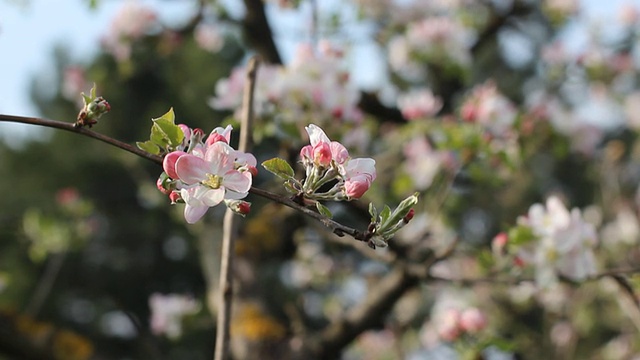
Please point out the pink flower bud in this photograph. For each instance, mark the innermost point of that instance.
(472, 320)
(322, 154)
(198, 132)
(214, 138)
(239, 207)
(169, 163)
(409, 216)
(253, 170)
(244, 207)
(160, 186)
(355, 187)
(175, 197)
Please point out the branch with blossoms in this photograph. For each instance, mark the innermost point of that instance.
(202, 171)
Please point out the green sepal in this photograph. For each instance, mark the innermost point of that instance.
(384, 214)
(292, 186)
(280, 168)
(373, 212)
(324, 210)
(148, 146)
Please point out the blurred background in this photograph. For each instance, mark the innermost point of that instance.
(484, 107)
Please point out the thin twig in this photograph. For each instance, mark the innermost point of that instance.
(230, 226)
(83, 131)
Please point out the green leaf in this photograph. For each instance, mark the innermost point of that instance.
(324, 210)
(148, 146)
(280, 168)
(158, 137)
(166, 125)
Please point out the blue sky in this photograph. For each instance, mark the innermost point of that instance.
(29, 29)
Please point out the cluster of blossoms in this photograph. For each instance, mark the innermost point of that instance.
(132, 22)
(489, 108)
(454, 317)
(419, 104)
(167, 312)
(555, 241)
(312, 84)
(454, 323)
(439, 39)
(202, 173)
(328, 162)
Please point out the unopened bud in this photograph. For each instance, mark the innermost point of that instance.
(409, 216)
(214, 138)
(94, 107)
(161, 184)
(175, 197)
(239, 207)
(253, 170)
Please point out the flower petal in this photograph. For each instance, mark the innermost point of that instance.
(237, 181)
(191, 169)
(316, 135)
(220, 156)
(212, 197)
(194, 213)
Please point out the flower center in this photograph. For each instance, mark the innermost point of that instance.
(212, 181)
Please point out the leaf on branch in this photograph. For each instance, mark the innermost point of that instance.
(165, 127)
(324, 210)
(148, 146)
(280, 168)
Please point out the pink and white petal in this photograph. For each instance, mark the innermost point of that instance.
(316, 135)
(361, 166)
(232, 195)
(220, 157)
(237, 181)
(246, 159)
(191, 169)
(194, 213)
(212, 197)
(339, 152)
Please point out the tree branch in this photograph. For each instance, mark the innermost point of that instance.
(83, 131)
(258, 32)
(335, 227)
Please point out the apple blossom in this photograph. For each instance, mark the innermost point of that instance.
(325, 160)
(419, 103)
(565, 243)
(210, 180)
(131, 23)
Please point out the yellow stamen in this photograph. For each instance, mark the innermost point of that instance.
(212, 181)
